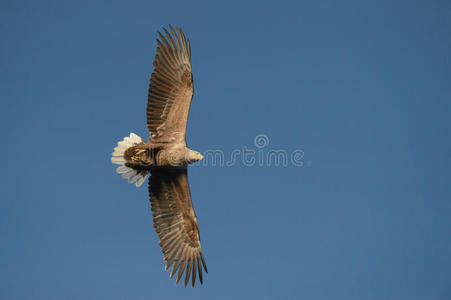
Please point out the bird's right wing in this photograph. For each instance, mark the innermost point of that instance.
(175, 222)
(170, 88)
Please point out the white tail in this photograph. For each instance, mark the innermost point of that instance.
(118, 158)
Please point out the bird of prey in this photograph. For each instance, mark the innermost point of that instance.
(166, 157)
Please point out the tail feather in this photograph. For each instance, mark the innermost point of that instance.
(133, 176)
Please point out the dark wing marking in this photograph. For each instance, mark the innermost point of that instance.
(170, 88)
(175, 223)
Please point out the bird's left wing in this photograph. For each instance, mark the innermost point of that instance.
(175, 223)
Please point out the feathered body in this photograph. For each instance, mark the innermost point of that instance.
(145, 156)
(166, 157)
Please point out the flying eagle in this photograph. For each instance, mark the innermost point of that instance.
(166, 157)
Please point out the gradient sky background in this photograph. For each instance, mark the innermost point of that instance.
(364, 89)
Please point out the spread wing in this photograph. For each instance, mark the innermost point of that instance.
(175, 223)
(170, 89)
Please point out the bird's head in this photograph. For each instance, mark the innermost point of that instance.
(194, 156)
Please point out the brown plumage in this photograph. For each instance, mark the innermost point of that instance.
(166, 157)
(176, 223)
(170, 89)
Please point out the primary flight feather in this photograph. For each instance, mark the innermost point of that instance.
(166, 157)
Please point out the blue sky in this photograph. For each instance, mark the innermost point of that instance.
(361, 87)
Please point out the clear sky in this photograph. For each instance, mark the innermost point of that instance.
(362, 88)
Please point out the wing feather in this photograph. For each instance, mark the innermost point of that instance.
(188, 268)
(200, 270)
(194, 263)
